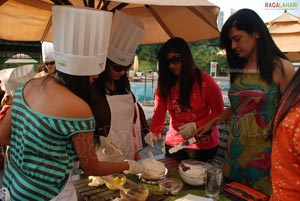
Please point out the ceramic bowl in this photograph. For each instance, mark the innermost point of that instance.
(193, 172)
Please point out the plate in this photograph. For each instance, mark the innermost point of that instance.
(153, 180)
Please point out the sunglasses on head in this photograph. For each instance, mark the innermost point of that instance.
(174, 60)
(119, 68)
(50, 63)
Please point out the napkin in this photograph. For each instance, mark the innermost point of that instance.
(190, 197)
(95, 181)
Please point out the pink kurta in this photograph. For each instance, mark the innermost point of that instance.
(204, 107)
(285, 172)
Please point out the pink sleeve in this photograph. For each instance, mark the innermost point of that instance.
(213, 97)
(4, 111)
(159, 115)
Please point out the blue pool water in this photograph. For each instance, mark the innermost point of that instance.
(143, 91)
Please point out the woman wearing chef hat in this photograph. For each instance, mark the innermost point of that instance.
(113, 103)
(49, 62)
(48, 136)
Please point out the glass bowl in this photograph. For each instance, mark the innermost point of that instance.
(171, 186)
(119, 179)
(136, 193)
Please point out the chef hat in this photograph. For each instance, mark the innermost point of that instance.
(126, 34)
(48, 52)
(11, 78)
(81, 37)
(4, 75)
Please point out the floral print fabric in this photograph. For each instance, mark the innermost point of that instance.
(248, 152)
(286, 158)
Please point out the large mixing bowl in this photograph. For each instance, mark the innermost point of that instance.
(193, 172)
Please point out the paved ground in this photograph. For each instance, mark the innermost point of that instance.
(148, 111)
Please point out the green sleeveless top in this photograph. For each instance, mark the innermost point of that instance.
(41, 151)
(248, 153)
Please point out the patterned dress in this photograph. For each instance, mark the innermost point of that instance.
(41, 151)
(247, 157)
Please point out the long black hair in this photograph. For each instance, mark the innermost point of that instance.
(167, 79)
(290, 98)
(79, 85)
(268, 53)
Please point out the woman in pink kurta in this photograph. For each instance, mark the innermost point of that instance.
(191, 97)
(285, 158)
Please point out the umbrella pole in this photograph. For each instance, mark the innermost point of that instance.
(152, 84)
(145, 88)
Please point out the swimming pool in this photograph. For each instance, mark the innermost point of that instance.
(143, 91)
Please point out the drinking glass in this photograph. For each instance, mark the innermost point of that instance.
(213, 179)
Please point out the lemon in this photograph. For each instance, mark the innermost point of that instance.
(119, 179)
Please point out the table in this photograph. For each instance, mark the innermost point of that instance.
(102, 193)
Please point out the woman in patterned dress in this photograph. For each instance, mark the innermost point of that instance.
(259, 74)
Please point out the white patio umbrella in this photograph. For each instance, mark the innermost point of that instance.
(193, 20)
(285, 31)
(21, 58)
(136, 64)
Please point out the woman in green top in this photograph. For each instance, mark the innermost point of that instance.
(51, 125)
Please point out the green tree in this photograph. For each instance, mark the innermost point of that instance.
(203, 52)
(148, 57)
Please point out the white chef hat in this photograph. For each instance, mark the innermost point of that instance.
(126, 34)
(48, 52)
(11, 78)
(81, 37)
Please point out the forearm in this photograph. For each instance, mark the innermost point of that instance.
(86, 153)
(159, 115)
(101, 168)
(157, 123)
(213, 116)
(223, 117)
